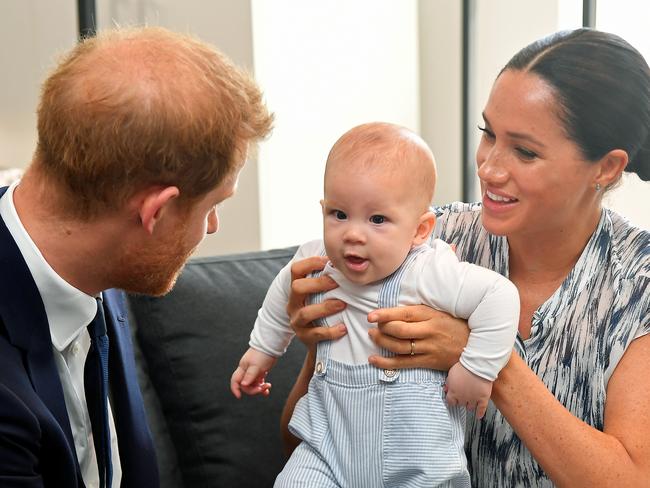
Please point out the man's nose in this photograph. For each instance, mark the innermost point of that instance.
(213, 222)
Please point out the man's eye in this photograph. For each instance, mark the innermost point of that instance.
(377, 219)
(340, 215)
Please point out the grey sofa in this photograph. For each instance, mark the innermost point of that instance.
(187, 345)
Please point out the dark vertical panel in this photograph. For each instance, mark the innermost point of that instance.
(469, 181)
(589, 13)
(87, 17)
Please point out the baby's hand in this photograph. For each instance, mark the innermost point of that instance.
(250, 375)
(468, 390)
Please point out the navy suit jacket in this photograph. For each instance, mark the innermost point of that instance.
(36, 444)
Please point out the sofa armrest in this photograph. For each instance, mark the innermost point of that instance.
(191, 340)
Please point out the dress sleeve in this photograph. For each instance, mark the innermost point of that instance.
(272, 332)
(488, 301)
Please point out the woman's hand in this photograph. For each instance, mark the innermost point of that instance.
(302, 316)
(420, 336)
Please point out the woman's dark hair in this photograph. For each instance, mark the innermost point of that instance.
(603, 86)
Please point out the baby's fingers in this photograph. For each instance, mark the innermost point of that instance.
(451, 397)
(235, 381)
(481, 408)
(262, 388)
(253, 373)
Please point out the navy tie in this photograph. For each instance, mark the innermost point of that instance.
(96, 386)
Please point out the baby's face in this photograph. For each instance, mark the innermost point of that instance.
(370, 220)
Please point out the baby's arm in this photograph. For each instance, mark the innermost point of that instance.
(271, 333)
(250, 375)
(490, 302)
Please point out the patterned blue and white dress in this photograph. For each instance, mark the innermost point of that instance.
(577, 339)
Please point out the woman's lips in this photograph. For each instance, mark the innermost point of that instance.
(498, 203)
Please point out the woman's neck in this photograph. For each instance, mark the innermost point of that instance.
(550, 255)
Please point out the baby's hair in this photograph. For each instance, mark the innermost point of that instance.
(389, 147)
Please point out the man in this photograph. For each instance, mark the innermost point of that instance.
(141, 133)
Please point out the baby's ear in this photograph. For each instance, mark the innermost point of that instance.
(425, 226)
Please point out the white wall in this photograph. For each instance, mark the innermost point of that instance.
(326, 67)
(441, 91)
(29, 47)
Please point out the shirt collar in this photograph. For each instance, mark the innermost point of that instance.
(68, 309)
(594, 257)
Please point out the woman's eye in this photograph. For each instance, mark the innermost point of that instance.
(487, 133)
(525, 153)
(340, 215)
(377, 219)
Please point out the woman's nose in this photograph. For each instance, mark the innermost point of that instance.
(491, 166)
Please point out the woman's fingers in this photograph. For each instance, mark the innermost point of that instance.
(303, 267)
(313, 335)
(419, 336)
(401, 361)
(399, 345)
(307, 286)
(414, 313)
(304, 316)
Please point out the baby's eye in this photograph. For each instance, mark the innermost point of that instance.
(340, 215)
(377, 219)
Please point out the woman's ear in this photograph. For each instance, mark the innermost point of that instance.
(425, 226)
(611, 165)
(153, 203)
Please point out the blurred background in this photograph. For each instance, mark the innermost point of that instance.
(324, 67)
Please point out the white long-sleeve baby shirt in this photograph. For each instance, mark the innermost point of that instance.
(435, 277)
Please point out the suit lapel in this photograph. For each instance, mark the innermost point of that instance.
(137, 453)
(23, 314)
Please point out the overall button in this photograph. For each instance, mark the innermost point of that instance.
(319, 367)
(390, 372)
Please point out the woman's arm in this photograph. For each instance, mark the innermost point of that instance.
(301, 318)
(571, 452)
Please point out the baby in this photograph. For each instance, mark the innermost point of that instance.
(360, 424)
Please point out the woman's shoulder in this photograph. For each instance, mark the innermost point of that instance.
(630, 247)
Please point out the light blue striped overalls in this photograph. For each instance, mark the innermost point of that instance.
(366, 427)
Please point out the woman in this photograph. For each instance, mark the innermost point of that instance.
(566, 116)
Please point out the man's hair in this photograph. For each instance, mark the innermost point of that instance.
(388, 147)
(132, 108)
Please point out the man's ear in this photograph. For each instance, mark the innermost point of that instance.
(425, 226)
(611, 166)
(153, 203)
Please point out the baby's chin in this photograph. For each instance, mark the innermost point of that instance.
(363, 279)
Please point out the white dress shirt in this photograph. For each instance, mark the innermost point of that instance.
(69, 311)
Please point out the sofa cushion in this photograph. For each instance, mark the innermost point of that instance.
(192, 340)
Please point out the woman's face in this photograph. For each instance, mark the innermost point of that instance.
(534, 179)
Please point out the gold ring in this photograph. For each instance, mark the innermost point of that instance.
(412, 347)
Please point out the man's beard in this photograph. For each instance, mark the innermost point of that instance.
(153, 271)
